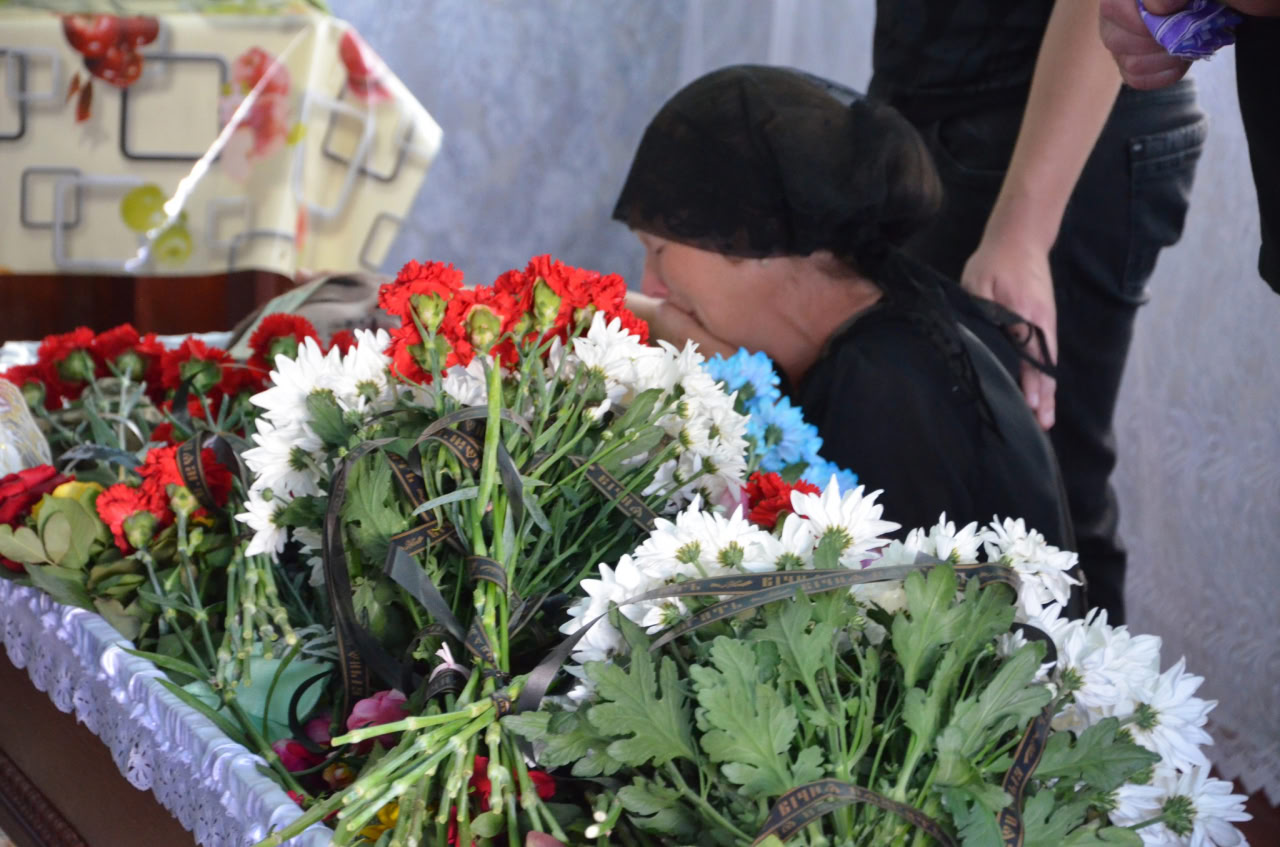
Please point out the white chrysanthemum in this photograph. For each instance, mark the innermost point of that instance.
(1043, 568)
(798, 539)
(853, 518)
(958, 547)
(616, 355)
(268, 535)
(467, 385)
(1194, 809)
(363, 382)
(284, 460)
(1167, 718)
(293, 381)
(1099, 665)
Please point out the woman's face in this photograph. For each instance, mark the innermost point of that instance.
(731, 298)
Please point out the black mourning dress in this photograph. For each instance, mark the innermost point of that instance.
(892, 409)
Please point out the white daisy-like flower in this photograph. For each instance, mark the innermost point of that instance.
(1098, 665)
(853, 518)
(1042, 568)
(293, 381)
(797, 539)
(958, 547)
(363, 382)
(467, 385)
(613, 352)
(1167, 718)
(284, 459)
(1193, 809)
(268, 535)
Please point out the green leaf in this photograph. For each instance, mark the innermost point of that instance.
(803, 650)
(568, 738)
(68, 530)
(748, 728)
(306, 510)
(930, 621)
(175, 665)
(827, 554)
(1046, 822)
(1095, 835)
(1097, 757)
(370, 511)
(486, 824)
(654, 714)
(637, 444)
(125, 622)
(656, 808)
(639, 412)
(325, 419)
(1009, 694)
(62, 584)
(975, 825)
(21, 545)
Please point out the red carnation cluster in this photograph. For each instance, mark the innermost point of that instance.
(769, 497)
(444, 324)
(22, 490)
(152, 494)
(479, 787)
(279, 334)
(66, 363)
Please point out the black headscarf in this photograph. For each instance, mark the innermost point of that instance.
(755, 161)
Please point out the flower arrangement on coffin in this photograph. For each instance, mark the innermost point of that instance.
(878, 713)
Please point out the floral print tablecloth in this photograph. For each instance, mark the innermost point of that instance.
(200, 143)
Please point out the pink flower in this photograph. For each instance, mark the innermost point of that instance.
(317, 729)
(383, 707)
(294, 756)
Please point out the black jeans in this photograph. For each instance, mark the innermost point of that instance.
(1130, 202)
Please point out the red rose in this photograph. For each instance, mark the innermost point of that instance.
(22, 490)
(769, 495)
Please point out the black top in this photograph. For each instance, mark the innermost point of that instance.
(946, 49)
(891, 408)
(1257, 45)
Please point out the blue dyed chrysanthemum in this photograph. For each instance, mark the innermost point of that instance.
(781, 435)
(820, 471)
(750, 374)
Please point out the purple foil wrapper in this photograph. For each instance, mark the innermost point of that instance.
(1197, 32)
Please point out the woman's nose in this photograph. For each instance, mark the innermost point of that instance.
(651, 284)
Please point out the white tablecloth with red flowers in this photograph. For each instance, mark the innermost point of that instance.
(180, 142)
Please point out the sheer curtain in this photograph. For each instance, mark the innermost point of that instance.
(542, 105)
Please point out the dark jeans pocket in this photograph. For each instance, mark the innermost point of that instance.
(976, 147)
(1162, 167)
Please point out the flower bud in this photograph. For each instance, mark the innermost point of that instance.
(181, 500)
(139, 529)
(546, 305)
(483, 328)
(202, 374)
(33, 392)
(76, 367)
(282, 345)
(131, 364)
(430, 310)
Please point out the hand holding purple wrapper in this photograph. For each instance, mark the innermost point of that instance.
(1197, 32)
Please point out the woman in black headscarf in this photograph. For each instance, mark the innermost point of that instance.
(771, 204)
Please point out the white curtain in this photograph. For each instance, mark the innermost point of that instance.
(542, 105)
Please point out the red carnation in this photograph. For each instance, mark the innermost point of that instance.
(110, 344)
(68, 362)
(409, 355)
(342, 340)
(480, 786)
(121, 502)
(22, 490)
(633, 324)
(160, 469)
(31, 379)
(414, 287)
(769, 495)
(482, 316)
(210, 369)
(278, 334)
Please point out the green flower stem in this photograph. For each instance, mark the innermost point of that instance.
(470, 712)
(413, 814)
(706, 808)
(260, 744)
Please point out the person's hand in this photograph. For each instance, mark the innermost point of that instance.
(1016, 275)
(1142, 61)
(676, 326)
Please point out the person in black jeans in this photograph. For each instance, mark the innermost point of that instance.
(1146, 64)
(1061, 188)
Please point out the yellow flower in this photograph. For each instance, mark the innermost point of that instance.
(73, 490)
(387, 816)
